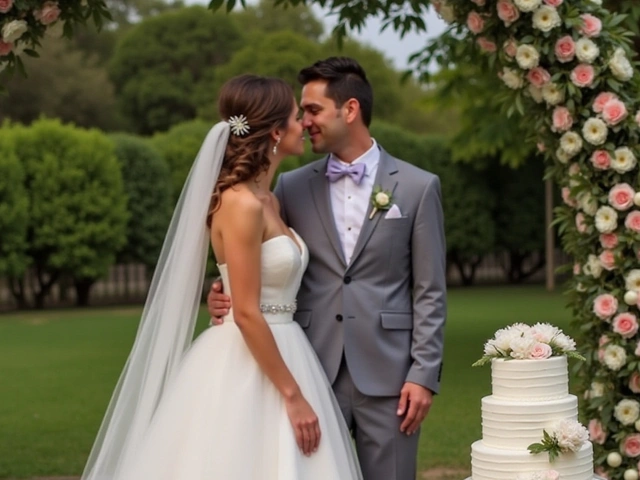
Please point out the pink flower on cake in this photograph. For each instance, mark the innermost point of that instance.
(5, 5)
(634, 382)
(583, 75)
(591, 26)
(608, 240)
(631, 445)
(614, 111)
(601, 159)
(539, 77)
(596, 432)
(540, 351)
(507, 12)
(632, 222)
(475, 22)
(621, 196)
(602, 99)
(607, 259)
(605, 306)
(625, 324)
(486, 45)
(565, 49)
(562, 119)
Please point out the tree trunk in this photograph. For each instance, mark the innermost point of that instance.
(83, 291)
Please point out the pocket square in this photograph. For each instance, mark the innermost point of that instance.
(393, 212)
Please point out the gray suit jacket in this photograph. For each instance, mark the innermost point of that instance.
(385, 310)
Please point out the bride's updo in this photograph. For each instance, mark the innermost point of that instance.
(266, 104)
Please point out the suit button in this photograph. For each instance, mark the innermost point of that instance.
(339, 317)
(347, 280)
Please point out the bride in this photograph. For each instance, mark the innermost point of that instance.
(248, 399)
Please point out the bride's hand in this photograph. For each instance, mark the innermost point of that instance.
(305, 424)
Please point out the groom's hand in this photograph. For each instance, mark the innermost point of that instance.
(218, 303)
(415, 401)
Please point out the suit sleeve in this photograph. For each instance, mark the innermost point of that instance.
(279, 193)
(429, 289)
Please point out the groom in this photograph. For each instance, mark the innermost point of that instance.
(373, 298)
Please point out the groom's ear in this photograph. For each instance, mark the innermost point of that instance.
(351, 109)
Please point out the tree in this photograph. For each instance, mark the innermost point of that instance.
(77, 206)
(147, 185)
(160, 66)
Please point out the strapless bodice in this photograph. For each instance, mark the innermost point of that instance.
(283, 263)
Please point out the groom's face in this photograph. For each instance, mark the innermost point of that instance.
(322, 119)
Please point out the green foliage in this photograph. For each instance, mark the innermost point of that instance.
(164, 66)
(14, 211)
(77, 215)
(147, 185)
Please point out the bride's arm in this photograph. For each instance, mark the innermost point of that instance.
(241, 223)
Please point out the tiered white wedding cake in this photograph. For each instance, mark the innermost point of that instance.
(529, 423)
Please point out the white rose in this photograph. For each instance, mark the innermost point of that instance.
(13, 30)
(620, 65)
(586, 50)
(382, 199)
(606, 219)
(527, 57)
(512, 78)
(615, 357)
(623, 160)
(593, 266)
(597, 389)
(527, 5)
(632, 280)
(562, 156)
(595, 131)
(571, 143)
(587, 203)
(536, 93)
(631, 297)
(627, 411)
(546, 18)
(552, 94)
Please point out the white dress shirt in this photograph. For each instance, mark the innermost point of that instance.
(351, 203)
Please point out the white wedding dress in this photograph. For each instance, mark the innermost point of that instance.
(220, 417)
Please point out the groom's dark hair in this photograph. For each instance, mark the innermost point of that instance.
(345, 79)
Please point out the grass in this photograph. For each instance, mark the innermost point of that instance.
(58, 368)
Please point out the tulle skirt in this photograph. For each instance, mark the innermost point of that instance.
(222, 419)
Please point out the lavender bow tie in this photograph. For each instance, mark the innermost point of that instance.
(336, 170)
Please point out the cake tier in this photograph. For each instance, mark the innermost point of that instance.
(527, 380)
(516, 425)
(489, 463)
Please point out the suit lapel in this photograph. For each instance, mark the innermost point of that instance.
(384, 177)
(321, 197)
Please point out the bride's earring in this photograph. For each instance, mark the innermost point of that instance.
(275, 147)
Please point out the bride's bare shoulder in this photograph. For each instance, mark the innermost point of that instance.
(239, 202)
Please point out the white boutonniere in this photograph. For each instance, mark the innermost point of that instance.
(380, 199)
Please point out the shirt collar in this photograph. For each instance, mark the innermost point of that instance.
(370, 158)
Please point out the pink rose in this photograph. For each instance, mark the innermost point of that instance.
(541, 146)
(603, 340)
(511, 48)
(48, 14)
(596, 433)
(565, 49)
(538, 77)
(621, 196)
(577, 269)
(607, 259)
(634, 382)
(625, 324)
(632, 222)
(540, 351)
(580, 223)
(583, 75)
(553, 3)
(601, 473)
(567, 198)
(605, 306)
(5, 48)
(591, 26)
(508, 12)
(614, 111)
(562, 120)
(602, 99)
(486, 45)
(631, 445)
(475, 22)
(608, 240)
(601, 159)
(5, 5)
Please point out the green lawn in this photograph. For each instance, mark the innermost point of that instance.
(57, 370)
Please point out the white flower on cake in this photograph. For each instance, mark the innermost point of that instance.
(523, 342)
(565, 436)
(627, 411)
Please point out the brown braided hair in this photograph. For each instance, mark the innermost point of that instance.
(266, 103)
